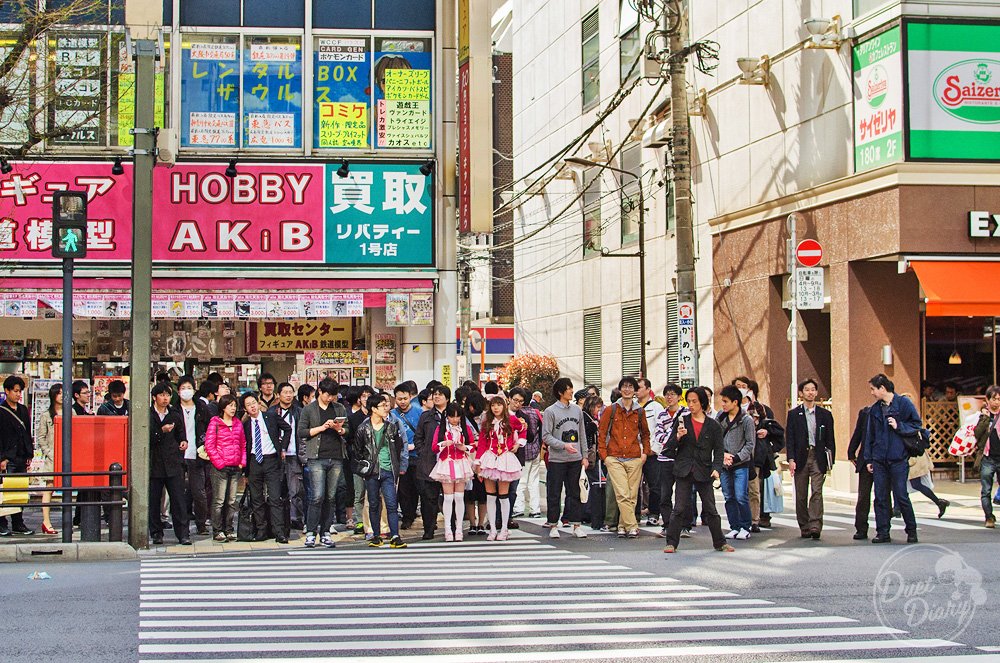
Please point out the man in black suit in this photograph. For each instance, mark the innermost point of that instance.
(865, 479)
(696, 445)
(423, 439)
(267, 436)
(810, 447)
(167, 443)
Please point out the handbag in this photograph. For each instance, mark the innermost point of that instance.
(244, 518)
(773, 491)
(584, 488)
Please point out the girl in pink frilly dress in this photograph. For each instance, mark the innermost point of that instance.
(453, 443)
(499, 437)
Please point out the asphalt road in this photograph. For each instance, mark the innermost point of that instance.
(600, 598)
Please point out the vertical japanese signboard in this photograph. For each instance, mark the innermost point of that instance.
(379, 215)
(953, 83)
(687, 354)
(878, 101)
(272, 92)
(78, 77)
(341, 93)
(210, 95)
(403, 94)
(13, 127)
(475, 117)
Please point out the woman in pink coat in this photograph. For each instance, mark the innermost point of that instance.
(499, 437)
(227, 449)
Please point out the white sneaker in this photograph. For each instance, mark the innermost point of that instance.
(731, 534)
(743, 535)
(554, 533)
(579, 533)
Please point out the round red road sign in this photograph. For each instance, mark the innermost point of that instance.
(808, 253)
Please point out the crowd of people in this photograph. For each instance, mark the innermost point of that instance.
(353, 457)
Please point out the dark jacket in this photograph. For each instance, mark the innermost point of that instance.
(882, 442)
(296, 415)
(312, 416)
(423, 440)
(202, 415)
(855, 450)
(797, 436)
(983, 431)
(365, 448)
(698, 455)
(739, 438)
(277, 429)
(165, 456)
(15, 436)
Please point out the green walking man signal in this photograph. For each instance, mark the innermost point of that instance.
(69, 224)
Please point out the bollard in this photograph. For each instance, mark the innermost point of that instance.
(115, 519)
(90, 516)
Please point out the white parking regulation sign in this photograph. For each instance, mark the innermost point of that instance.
(809, 288)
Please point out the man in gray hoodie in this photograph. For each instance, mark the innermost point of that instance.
(739, 437)
(564, 434)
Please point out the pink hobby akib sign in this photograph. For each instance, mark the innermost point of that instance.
(267, 213)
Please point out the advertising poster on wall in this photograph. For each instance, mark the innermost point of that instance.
(422, 309)
(385, 348)
(878, 101)
(397, 309)
(953, 82)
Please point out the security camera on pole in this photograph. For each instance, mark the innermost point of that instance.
(69, 241)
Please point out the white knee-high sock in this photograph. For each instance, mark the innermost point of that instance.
(449, 511)
(491, 511)
(459, 507)
(504, 511)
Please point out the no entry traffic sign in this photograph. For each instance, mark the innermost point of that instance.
(809, 253)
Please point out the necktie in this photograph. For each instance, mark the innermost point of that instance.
(258, 452)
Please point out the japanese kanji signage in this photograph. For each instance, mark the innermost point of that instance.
(878, 101)
(402, 100)
(380, 215)
(300, 335)
(342, 93)
(210, 92)
(953, 90)
(79, 63)
(272, 93)
(809, 288)
(687, 352)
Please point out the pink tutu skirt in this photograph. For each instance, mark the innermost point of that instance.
(504, 467)
(451, 470)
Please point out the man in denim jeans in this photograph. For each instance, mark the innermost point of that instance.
(321, 429)
(988, 451)
(739, 436)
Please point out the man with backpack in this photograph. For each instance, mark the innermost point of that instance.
(885, 454)
(623, 445)
(407, 418)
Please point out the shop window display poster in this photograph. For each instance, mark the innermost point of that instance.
(422, 309)
(397, 309)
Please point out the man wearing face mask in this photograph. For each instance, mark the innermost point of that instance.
(196, 416)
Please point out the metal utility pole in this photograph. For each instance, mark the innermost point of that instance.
(67, 401)
(465, 309)
(793, 327)
(680, 164)
(145, 54)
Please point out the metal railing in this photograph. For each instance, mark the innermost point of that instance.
(89, 499)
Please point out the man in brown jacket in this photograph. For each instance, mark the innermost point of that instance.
(623, 444)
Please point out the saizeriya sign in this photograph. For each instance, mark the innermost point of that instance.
(968, 91)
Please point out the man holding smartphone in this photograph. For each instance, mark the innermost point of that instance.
(321, 430)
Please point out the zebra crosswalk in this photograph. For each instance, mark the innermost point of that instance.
(479, 602)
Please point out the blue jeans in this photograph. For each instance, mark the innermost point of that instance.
(989, 470)
(735, 487)
(894, 475)
(385, 484)
(324, 473)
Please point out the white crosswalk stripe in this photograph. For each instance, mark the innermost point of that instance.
(470, 603)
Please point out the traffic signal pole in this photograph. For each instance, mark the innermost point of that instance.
(142, 292)
(67, 393)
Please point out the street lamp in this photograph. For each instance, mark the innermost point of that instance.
(641, 255)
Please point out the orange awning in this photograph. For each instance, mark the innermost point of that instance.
(960, 288)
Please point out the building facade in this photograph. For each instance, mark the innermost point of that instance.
(303, 197)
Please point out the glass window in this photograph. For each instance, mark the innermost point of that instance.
(342, 14)
(78, 68)
(591, 61)
(210, 90)
(272, 92)
(123, 90)
(220, 13)
(591, 212)
(342, 92)
(402, 93)
(632, 162)
(271, 14)
(404, 14)
(19, 84)
(629, 50)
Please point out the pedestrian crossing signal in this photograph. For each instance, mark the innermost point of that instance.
(69, 224)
